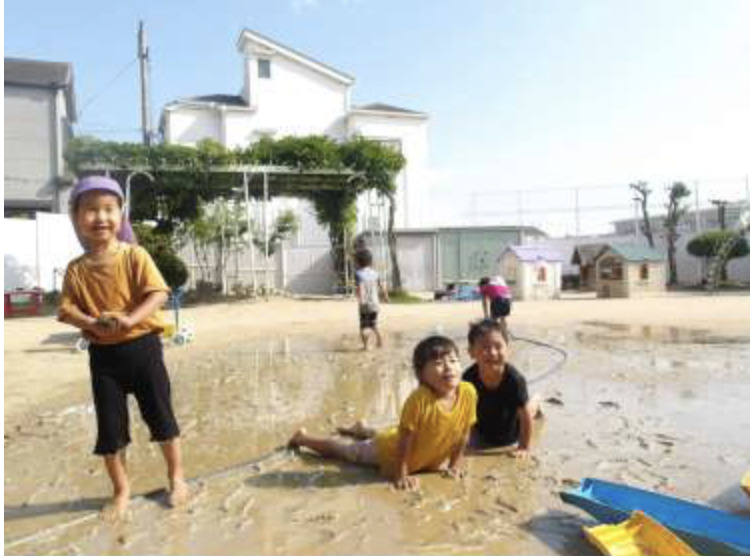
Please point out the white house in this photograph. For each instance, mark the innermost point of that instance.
(531, 271)
(285, 92)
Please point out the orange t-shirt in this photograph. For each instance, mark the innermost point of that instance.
(118, 284)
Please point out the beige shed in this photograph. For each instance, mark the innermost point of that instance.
(630, 271)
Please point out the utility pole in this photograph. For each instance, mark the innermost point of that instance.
(721, 207)
(144, 74)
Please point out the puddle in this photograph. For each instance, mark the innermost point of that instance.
(634, 406)
(660, 334)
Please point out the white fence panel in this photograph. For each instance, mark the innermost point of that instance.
(37, 252)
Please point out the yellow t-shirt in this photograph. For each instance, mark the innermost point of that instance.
(437, 431)
(116, 285)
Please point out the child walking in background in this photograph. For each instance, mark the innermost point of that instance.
(434, 427)
(370, 291)
(505, 413)
(112, 293)
(496, 297)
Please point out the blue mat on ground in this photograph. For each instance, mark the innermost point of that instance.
(709, 531)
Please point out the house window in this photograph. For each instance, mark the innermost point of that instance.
(263, 69)
(644, 271)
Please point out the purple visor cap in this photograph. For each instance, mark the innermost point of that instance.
(96, 183)
(102, 183)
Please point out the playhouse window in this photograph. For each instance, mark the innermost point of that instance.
(644, 271)
(610, 269)
(541, 274)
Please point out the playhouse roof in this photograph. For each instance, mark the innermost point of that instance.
(587, 253)
(534, 253)
(635, 253)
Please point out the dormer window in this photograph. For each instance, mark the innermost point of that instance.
(263, 68)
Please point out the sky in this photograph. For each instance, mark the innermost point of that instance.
(532, 96)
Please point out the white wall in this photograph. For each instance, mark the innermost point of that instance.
(187, 126)
(39, 251)
(295, 100)
(412, 183)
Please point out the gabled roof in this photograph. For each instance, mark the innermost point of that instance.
(247, 35)
(42, 74)
(587, 253)
(634, 253)
(217, 100)
(534, 253)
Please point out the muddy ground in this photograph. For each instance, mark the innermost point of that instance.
(653, 393)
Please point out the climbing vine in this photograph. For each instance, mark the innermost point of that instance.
(186, 177)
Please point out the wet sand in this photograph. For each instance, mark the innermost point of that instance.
(641, 399)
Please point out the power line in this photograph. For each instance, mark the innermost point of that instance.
(97, 95)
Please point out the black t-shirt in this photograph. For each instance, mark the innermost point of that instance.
(498, 423)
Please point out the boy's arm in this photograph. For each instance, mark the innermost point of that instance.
(71, 314)
(151, 303)
(402, 479)
(457, 456)
(383, 290)
(526, 433)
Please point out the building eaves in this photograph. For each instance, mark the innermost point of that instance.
(43, 74)
(210, 101)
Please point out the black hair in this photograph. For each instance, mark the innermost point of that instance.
(430, 349)
(483, 327)
(363, 258)
(484, 281)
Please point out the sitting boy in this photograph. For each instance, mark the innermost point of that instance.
(504, 411)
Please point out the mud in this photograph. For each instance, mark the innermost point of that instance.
(660, 408)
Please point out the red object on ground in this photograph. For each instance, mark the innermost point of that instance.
(22, 302)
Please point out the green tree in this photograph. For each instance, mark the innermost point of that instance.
(708, 244)
(285, 226)
(161, 247)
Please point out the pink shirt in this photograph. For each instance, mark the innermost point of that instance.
(492, 291)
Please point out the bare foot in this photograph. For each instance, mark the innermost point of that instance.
(117, 509)
(296, 440)
(358, 430)
(178, 494)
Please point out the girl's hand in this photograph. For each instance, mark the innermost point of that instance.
(407, 482)
(454, 472)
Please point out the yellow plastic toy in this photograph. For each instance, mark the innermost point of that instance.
(745, 483)
(638, 536)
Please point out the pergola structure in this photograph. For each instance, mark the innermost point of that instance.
(263, 181)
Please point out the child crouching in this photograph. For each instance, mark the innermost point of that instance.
(434, 427)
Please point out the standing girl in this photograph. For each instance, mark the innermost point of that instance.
(497, 299)
(112, 293)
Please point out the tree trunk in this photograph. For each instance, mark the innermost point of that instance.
(671, 251)
(396, 276)
(647, 226)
